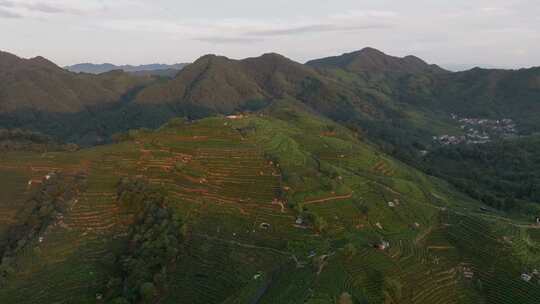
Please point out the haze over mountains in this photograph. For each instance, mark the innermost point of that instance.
(157, 69)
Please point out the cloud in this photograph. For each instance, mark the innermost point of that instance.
(8, 14)
(248, 30)
(29, 8)
(230, 36)
(355, 14)
(356, 20)
(48, 8)
(228, 40)
(316, 28)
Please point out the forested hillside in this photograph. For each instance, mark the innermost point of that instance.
(502, 174)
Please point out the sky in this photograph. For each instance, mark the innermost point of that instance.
(456, 34)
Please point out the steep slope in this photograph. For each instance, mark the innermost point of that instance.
(503, 173)
(225, 85)
(212, 82)
(374, 61)
(481, 93)
(39, 85)
(166, 73)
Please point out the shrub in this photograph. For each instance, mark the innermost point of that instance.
(120, 300)
(147, 291)
(350, 250)
(154, 240)
(320, 224)
(345, 298)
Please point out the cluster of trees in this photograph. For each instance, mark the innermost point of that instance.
(498, 173)
(98, 124)
(25, 140)
(48, 202)
(318, 222)
(14, 134)
(153, 246)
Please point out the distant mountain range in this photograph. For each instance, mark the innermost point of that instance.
(168, 70)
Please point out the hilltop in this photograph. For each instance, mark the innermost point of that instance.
(374, 61)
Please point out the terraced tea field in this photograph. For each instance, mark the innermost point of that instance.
(271, 209)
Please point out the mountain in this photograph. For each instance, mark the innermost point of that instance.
(165, 73)
(224, 85)
(91, 68)
(372, 60)
(488, 93)
(39, 85)
(399, 103)
(301, 196)
(147, 69)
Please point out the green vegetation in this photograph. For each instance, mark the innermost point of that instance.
(282, 205)
(503, 174)
(153, 245)
(23, 140)
(49, 202)
(39, 85)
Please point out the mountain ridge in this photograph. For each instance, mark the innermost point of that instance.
(92, 68)
(211, 79)
(372, 60)
(218, 85)
(39, 84)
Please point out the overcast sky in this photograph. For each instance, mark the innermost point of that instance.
(501, 33)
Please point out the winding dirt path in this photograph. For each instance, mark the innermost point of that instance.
(333, 198)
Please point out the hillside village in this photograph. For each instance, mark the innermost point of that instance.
(479, 131)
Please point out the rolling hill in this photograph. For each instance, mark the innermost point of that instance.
(282, 206)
